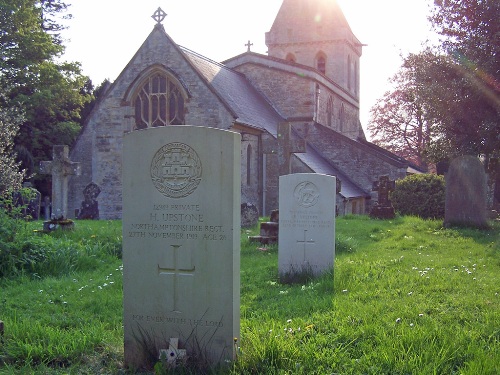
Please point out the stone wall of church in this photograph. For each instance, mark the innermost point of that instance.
(291, 94)
(360, 163)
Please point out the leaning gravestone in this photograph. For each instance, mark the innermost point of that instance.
(466, 190)
(181, 244)
(306, 243)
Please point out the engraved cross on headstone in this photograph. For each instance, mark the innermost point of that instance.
(384, 186)
(305, 242)
(61, 168)
(179, 269)
(248, 45)
(284, 147)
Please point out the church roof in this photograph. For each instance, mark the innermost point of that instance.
(233, 88)
(310, 21)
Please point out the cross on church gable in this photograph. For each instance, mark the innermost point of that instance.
(159, 15)
(180, 267)
(285, 146)
(248, 45)
(383, 186)
(61, 167)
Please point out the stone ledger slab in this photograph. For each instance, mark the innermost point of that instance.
(306, 224)
(181, 243)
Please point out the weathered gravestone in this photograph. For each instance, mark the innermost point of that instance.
(181, 243)
(306, 243)
(466, 190)
(90, 207)
(249, 215)
(29, 201)
(383, 209)
(61, 168)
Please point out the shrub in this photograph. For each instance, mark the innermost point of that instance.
(420, 195)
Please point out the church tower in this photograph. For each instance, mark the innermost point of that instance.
(316, 33)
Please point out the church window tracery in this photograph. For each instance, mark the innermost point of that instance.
(159, 102)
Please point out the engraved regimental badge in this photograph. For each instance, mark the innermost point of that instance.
(176, 170)
(306, 194)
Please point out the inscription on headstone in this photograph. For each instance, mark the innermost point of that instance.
(181, 243)
(306, 241)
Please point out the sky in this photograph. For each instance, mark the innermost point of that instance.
(103, 35)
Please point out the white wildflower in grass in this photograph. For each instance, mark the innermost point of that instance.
(411, 324)
(289, 321)
(410, 293)
(344, 291)
(283, 291)
(398, 320)
(420, 314)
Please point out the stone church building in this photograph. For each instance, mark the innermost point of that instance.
(307, 86)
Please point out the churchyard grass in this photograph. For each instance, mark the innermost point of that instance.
(406, 297)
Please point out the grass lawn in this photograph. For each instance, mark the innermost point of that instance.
(406, 297)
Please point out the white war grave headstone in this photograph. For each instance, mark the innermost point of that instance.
(306, 243)
(181, 244)
(61, 167)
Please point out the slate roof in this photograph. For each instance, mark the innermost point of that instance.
(233, 88)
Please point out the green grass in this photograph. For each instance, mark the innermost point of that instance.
(406, 297)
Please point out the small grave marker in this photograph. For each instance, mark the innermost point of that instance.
(306, 242)
(466, 193)
(383, 209)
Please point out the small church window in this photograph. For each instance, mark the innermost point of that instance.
(329, 112)
(249, 164)
(341, 118)
(321, 64)
(349, 72)
(158, 103)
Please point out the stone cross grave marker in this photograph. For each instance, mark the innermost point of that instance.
(383, 209)
(285, 146)
(61, 168)
(306, 242)
(466, 193)
(181, 243)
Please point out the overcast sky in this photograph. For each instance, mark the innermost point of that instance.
(104, 34)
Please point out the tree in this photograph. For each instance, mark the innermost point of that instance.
(445, 100)
(402, 120)
(50, 91)
(469, 109)
(10, 119)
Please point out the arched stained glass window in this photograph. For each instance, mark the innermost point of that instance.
(158, 103)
